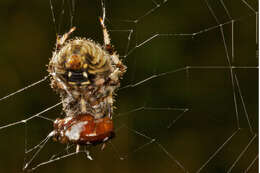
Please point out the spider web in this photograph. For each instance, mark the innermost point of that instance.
(188, 102)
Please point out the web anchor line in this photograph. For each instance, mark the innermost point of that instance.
(31, 117)
(25, 88)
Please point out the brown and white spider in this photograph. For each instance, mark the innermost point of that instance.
(85, 74)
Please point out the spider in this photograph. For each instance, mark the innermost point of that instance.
(86, 75)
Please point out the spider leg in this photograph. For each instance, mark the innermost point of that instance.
(77, 148)
(105, 33)
(109, 47)
(107, 43)
(61, 39)
(119, 67)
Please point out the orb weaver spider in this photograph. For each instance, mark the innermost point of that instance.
(86, 75)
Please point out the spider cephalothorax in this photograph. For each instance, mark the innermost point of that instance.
(83, 62)
(85, 75)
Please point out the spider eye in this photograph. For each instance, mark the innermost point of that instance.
(76, 77)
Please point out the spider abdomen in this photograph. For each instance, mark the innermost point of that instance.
(83, 129)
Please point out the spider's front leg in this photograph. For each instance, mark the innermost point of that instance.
(109, 48)
(120, 68)
(61, 39)
(105, 33)
(57, 82)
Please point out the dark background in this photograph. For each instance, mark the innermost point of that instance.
(202, 85)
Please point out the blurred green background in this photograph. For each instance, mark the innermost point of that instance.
(193, 70)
